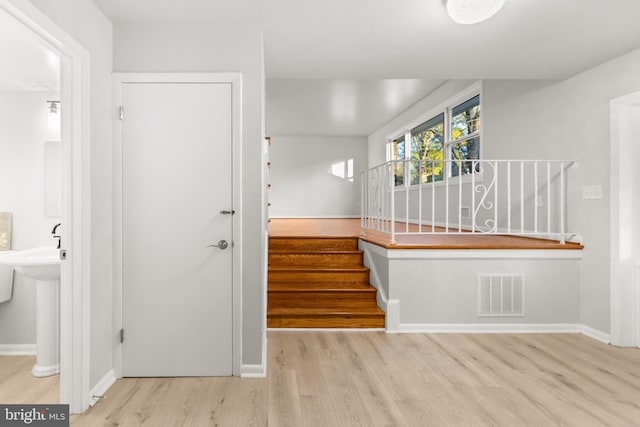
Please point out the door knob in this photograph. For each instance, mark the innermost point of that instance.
(222, 244)
(228, 212)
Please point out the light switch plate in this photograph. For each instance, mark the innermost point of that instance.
(592, 192)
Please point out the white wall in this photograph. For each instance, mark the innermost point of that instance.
(310, 176)
(221, 47)
(437, 288)
(568, 120)
(23, 131)
(84, 22)
(445, 291)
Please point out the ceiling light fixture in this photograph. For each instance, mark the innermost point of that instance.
(473, 11)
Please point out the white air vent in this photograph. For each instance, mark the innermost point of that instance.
(500, 295)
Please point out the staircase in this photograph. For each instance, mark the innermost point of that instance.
(320, 282)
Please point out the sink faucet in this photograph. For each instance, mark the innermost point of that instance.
(55, 236)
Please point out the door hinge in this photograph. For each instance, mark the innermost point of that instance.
(121, 336)
(121, 112)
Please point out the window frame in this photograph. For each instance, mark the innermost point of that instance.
(393, 143)
(449, 141)
(447, 108)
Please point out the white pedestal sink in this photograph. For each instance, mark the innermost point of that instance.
(42, 265)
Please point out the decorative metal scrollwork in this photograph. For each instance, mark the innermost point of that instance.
(486, 205)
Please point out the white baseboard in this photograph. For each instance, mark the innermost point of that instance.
(253, 371)
(17, 349)
(488, 328)
(259, 370)
(463, 328)
(392, 319)
(595, 334)
(499, 328)
(101, 387)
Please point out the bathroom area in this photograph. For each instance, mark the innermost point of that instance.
(30, 216)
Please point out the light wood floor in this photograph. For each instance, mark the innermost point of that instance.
(18, 386)
(373, 378)
(350, 227)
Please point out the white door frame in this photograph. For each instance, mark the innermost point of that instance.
(625, 223)
(76, 196)
(235, 79)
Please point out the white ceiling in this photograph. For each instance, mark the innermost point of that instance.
(358, 47)
(527, 39)
(25, 64)
(537, 39)
(339, 107)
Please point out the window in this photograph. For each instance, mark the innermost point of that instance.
(398, 153)
(452, 134)
(427, 151)
(464, 143)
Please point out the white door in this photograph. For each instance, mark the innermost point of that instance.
(177, 291)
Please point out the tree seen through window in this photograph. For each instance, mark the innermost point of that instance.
(465, 142)
(398, 153)
(445, 145)
(427, 151)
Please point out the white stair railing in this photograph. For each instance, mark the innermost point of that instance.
(509, 197)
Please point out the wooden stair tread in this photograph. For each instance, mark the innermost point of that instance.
(315, 311)
(313, 244)
(320, 322)
(288, 287)
(342, 322)
(320, 285)
(315, 252)
(318, 269)
(300, 258)
(320, 278)
(313, 259)
(324, 237)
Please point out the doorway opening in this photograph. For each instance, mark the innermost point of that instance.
(625, 227)
(75, 197)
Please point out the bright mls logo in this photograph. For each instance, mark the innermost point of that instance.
(34, 415)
